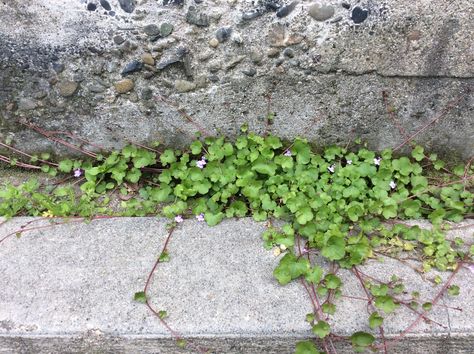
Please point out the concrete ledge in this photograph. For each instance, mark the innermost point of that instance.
(69, 289)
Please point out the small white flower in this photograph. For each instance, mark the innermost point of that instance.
(287, 153)
(77, 172)
(200, 217)
(201, 163)
(178, 218)
(393, 185)
(349, 162)
(283, 247)
(377, 161)
(331, 168)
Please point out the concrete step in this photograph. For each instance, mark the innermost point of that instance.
(69, 289)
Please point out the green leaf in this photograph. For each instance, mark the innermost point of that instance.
(302, 151)
(304, 215)
(334, 248)
(164, 257)
(453, 290)
(162, 314)
(144, 158)
(133, 175)
(290, 267)
(265, 167)
(379, 290)
(321, 329)
(306, 347)
(386, 303)
(418, 153)
(361, 340)
(45, 155)
(403, 165)
(427, 306)
(238, 209)
(329, 308)
(332, 281)
(438, 165)
(375, 320)
(140, 297)
(65, 166)
(167, 157)
(213, 219)
(181, 343)
(314, 275)
(196, 147)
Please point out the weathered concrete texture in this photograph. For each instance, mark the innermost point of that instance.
(70, 288)
(228, 62)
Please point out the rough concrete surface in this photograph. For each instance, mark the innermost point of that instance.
(226, 63)
(69, 289)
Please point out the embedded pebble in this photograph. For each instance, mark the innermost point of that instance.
(148, 59)
(127, 5)
(124, 86)
(132, 67)
(166, 29)
(289, 53)
(249, 72)
(91, 6)
(59, 68)
(171, 57)
(256, 57)
(118, 39)
(151, 30)
(321, 12)
(213, 42)
(105, 4)
(359, 15)
(67, 88)
(286, 10)
(96, 88)
(223, 34)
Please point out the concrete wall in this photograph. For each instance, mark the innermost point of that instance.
(321, 69)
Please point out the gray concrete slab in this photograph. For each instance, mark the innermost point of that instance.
(69, 289)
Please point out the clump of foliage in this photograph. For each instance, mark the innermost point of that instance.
(336, 203)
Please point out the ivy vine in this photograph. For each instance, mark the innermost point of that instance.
(337, 203)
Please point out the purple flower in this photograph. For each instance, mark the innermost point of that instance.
(393, 185)
(77, 172)
(287, 153)
(377, 161)
(201, 163)
(200, 217)
(331, 168)
(178, 218)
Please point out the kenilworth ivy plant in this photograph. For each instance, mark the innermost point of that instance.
(335, 203)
